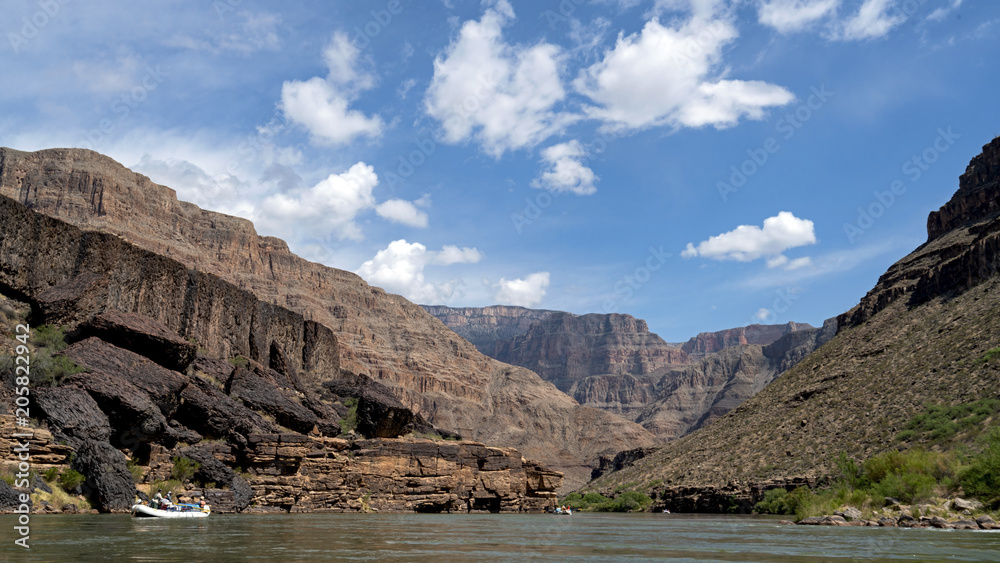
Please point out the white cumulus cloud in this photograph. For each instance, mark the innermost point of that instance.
(498, 94)
(750, 242)
(874, 19)
(328, 207)
(402, 212)
(673, 75)
(399, 268)
(794, 15)
(527, 292)
(565, 171)
(322, 105)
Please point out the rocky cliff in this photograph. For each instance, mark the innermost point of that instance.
(564, 348)
(920, 336)
(485, 326)
(427, 367)
(613, 362)
(123, 421)
(711, 342)
(689, 397)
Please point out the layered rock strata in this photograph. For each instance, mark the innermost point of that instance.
(270, 295)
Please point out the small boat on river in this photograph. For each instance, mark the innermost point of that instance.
(140, 510)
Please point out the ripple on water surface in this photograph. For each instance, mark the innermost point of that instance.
(482, 537)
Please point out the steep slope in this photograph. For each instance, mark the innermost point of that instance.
(428, 367)
(921, 335)
(484, 326)
(711, 342)
(689, 397)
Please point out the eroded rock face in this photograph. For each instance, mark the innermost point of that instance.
(977, 197)
(332, 475)
(962, 248)
(485, 326)
(564, 348)
(142, 335)
(711, 342)
(165, 259)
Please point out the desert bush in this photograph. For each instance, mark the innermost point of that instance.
(184, 469)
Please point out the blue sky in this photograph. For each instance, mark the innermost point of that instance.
(701, 164)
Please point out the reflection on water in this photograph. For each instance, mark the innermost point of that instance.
(444, 538)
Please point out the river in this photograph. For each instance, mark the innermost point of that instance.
(444, 538)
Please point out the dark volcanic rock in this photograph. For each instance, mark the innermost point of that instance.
(142, 335)
(210, 412)
(211, 278)
(380, 414)
(73, 301)
(162, 385)
(9, 497)
(260, 392)
(134, 418)
(72, 413)
(211, 470)
(109, 482)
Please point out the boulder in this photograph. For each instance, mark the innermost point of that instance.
(965, 525)
(72, 413)
(9, 497)
(811, 521)
(258, 391)
(73, 301)
(142, 335)
(833, 521)
(959, 504)
(211, 413)
(134, 418)
(161, 384)
(887, 522)
(938, 522)
(216, 368)
(850, 513)
(986, 523)
(109, 483)
(211, 470)
(380, 414)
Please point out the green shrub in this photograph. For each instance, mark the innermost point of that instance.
(982, 476)
(239, 361)
(135, 469)
(70, 479)
(50, 474)
(775, 501)
(941, 422)
(628, 501)
(164, 487)
(52, 337)
(350, 422)
(184, 469)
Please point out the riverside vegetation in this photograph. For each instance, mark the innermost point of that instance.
(918, 477)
